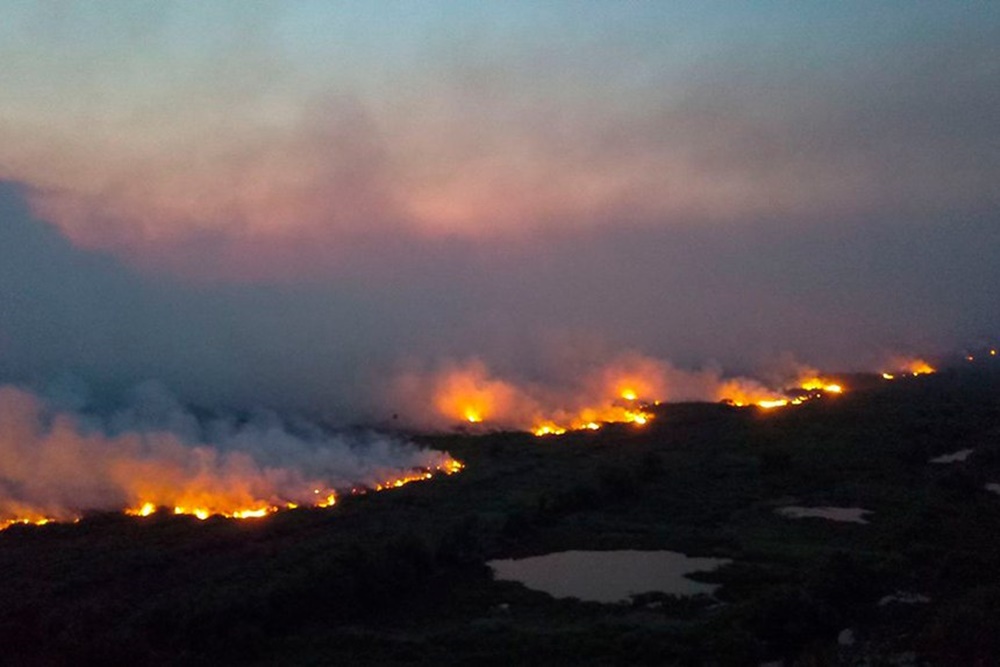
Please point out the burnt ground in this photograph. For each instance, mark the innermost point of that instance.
(400, 577)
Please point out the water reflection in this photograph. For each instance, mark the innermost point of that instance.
(608, 576)
(843, 514)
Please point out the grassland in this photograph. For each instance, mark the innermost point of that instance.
(400, 577)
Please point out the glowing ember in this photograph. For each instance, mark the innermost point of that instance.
(742, 392)
(636, 418)
(325, 499)
(548, 429)
(51, 469)
(41, 521)
(919, 367)
(145, 510)
(468, 394)
(591, 419)
(821, 384)
(903, 366)
(622, 390)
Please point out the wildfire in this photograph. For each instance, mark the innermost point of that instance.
(550, 428)
(53, 467)
(469, 395)
(920, 368)
(744, 393)
(324, 498)
(7, 523)
(621, 390)
(912, 367)
(144, 510)
(739, 392)
(626, 409)
(820, 384)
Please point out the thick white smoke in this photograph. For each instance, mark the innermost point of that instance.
(56, 463)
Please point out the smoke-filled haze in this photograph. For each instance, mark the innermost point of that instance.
(325, 206)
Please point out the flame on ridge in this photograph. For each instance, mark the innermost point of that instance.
(623, 390)
(323, 498)
(53, 469)
(902, 367)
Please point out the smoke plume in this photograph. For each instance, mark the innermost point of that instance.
(57, 464)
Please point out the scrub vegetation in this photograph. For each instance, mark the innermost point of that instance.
(400, 577)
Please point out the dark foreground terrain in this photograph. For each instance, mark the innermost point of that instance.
(399, 577)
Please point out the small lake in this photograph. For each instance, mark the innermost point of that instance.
(955, 457)
(608, 576)
(843, 514)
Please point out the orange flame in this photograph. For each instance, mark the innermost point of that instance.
(821, 384)
(469, 395)
(904, 366)
(214, 508)
(622, 390)
(58, 471)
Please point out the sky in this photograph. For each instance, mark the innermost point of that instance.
(293, 204)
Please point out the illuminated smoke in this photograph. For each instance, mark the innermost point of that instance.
(620, 389)
(56, 464)
(914, 366)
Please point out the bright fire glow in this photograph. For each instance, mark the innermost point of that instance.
(621, 390)
(53, 470)
(821, 384)
(217, 507)
(144, 510)
(919, 367)
(468, 395)
(591, 419)
(28, 521)
(904, 366)
(548, 428)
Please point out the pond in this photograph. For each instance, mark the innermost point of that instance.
(954, 457)
(608, 576)
(844, 514)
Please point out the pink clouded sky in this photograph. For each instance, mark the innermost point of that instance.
(284, 202)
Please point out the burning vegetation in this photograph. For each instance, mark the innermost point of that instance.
(901, 367)
(623, 391)
(56, 467)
